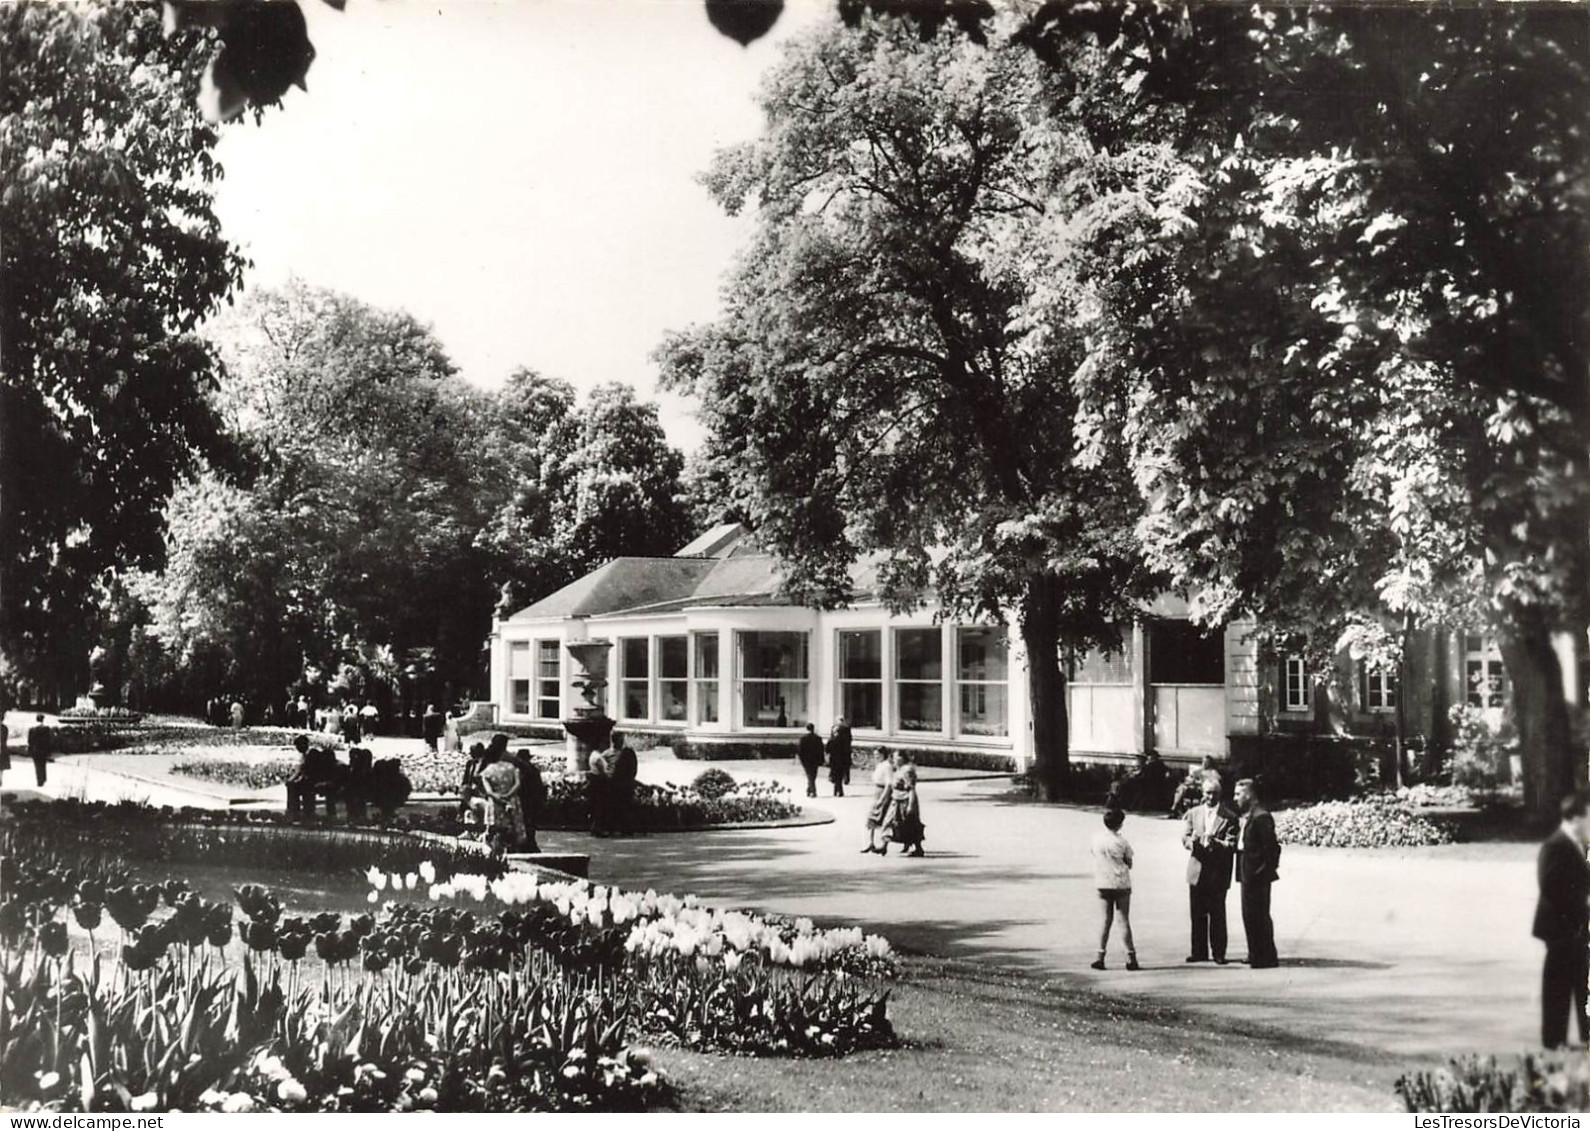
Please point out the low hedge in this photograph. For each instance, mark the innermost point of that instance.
(864, 755)
(1375, 821)
(1550, 1082)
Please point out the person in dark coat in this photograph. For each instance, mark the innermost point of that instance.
(533, 792)
(1258, 867)
(839, 757)
(319, 774)
(621, 789)
(811, 758)
(5, 749)
(39, 748)
(431, 727)
(1210, 836)
(1561, 922)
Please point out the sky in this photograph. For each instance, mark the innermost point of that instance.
(519, 174)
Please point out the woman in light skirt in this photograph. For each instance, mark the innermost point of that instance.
(882, 804)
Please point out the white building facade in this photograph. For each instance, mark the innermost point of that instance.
(705, 658)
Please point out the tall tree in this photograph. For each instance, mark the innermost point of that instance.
(590, 481)
(867, 390)
(111, 257)
(1352, 361)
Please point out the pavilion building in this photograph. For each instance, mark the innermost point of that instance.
(708, 658)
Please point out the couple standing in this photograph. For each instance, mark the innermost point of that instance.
(1218, 838)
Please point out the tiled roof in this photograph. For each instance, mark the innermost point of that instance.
(732, 574)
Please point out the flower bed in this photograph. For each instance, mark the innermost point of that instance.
(567, 805)
(172, 1025)
(199, 836)
(705, 978)
(1553, 1082)
(1376, 821)
(412, 1007)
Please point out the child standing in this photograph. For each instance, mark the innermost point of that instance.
(1112, 871)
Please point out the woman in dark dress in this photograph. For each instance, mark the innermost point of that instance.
(904, 820)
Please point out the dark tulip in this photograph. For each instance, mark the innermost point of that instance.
(52, 937)
(292, 947)
(87, 915)
(219, 935)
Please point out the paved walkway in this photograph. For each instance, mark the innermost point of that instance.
(1419, 952)
(1416, 952)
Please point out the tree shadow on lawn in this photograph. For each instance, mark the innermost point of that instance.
(1097, 1015)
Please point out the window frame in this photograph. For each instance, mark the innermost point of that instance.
(961, 684)
(661, 680)
(1377, 685)
(896, 682)
(700, 683)
(841, 681)
(541, 649)
(741, 681)
(1492, 669)
(1305, 684)
(626, 679)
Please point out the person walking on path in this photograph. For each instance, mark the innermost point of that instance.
(431, 727)
(621, 795)
(905, 811)
(882, 803)
(1258, 867)
(39, 748)
(5, 749)
(1562, 924)
(237, 714)
(1209, 833)
(839, 756)
(1112, 873)
(811, 757)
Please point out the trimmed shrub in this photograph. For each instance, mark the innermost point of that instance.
(713, 783)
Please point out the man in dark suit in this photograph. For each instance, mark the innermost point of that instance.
(40, 748)
(1258, 866)
(1210, 835)
(1561, 922)
(811, 757)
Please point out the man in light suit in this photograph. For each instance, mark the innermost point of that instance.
(1210, 835)
(1258, 866)
(1562, 923)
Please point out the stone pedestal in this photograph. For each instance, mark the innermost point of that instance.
(588, 734)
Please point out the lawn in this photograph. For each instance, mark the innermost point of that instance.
(984, 1039)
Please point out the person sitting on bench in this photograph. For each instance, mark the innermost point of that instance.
(319, 773)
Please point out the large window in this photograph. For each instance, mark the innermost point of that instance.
(1378, 689)
(982, 680)
(1297, 692)
(1098, 666)
(919, 679)
(706, 677)
(773, 678)
(1182, 652)
(1485, 680)
(635, 678)
(673, 677)
(519, 676)
(861, 678)
(549, 682)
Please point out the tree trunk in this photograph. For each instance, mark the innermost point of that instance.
(1046, 688)
(1553, 767)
